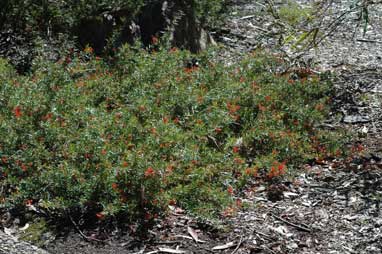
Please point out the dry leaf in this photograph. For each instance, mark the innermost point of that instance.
(167, 250)
(25, 227)
(223, 247)
(194, 235)
(184, 236)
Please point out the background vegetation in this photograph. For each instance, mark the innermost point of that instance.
(148, 131)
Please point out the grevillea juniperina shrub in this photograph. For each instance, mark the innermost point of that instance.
(131, 136)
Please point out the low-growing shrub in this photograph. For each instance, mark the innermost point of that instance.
(152, 129)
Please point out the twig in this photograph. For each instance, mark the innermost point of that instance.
(238, 245)
(167, 242)
(86, 238)
(292, 224)
(141, 251)
(371, 41)
(247, 17)
(268, 249)
(262, 234)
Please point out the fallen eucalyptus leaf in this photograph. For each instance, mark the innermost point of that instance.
(26, 226)
(167, 250)
(194, 235)
(225, 246)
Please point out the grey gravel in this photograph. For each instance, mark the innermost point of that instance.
(11, 245)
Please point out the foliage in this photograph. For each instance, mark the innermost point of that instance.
(23, 23)
(130, 138)
(57, 16)
(62, 16)
(305, 26)
(293, 14)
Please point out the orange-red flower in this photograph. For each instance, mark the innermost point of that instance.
(235, 149)
(100, 215)
(47, 117)
(148, 216)
(114, 186)
(238, 160)
(17, 112)
(88, 50)
(218, 130)
(230, 190)
(149, 172)
(23, 167)
(261, 107)
(277, 170)
(29, 202)
(154, 40)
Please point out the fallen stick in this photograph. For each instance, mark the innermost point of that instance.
(292, 224)
(238, 245)
(86, 238)
(371, 41)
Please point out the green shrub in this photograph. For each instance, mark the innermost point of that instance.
(130, 138)
(62, 16)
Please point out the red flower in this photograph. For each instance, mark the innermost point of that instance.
(281, 168)
(218, 130)
(238, 160)
(47, 116)
(100, 216)
(23, 167)
(149, 172)
(235, 149)
(17, 112)
(29, 202)
(272, 173)
(154, 40)
(114, 186)
(230, 190)
(261, 107)
(147, 216)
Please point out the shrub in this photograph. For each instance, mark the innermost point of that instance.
(129, 138)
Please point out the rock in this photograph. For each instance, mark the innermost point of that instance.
(352, 119)
(10, 245)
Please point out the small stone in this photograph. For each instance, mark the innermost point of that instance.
(352, 119)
